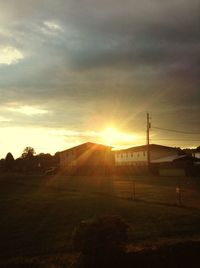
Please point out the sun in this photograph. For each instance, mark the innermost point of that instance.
(111, 136)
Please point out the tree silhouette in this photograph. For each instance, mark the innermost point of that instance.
(9, 161)
(28, 152)
(198, 149)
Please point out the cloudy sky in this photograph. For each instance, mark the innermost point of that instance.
(73, 71)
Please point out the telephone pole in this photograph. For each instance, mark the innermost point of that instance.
(148, 145)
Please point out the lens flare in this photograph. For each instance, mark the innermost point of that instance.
(111, 136)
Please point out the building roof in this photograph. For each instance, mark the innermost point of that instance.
(87, 145)
(167, 159)
(173, 158)
(144, 147)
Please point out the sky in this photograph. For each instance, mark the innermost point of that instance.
(74, 71)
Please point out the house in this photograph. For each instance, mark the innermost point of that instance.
(181, 165)
(138, 156)
(196, 154)
(87, 158)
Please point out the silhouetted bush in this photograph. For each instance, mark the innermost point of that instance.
(9, 162)
(2, 164)
(104, 235)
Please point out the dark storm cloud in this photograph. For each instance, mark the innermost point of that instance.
(78, 55)
(113, 30)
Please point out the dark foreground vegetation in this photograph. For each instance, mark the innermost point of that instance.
(167, 256)
(39, 215)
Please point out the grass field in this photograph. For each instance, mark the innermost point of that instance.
(38, 214)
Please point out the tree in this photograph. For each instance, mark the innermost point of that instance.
(2, 164)
(44, 160)
(28, 153)
(9, 161)
(198, 149)
(19, 164)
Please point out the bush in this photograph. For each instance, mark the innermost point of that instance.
(103, 235)
(9, 162)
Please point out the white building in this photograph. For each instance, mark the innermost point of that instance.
(138, 155)
(196, 154)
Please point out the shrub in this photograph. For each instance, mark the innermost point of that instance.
(9, 162)
(102, 235)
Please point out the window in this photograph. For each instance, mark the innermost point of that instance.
(144, 153)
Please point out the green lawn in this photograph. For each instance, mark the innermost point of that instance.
(38, 214)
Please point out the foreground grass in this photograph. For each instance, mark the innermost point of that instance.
(38, 214)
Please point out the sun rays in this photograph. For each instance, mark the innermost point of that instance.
(112, 136)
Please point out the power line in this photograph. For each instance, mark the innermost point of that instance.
(165, 139)
(177, 131)
(177, 140)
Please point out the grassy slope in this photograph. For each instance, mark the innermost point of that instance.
(38, 214)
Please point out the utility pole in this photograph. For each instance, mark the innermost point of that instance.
(148, 146)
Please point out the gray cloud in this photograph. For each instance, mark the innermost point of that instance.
(106, 60)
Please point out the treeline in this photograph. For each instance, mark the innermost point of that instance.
(29, 161)
(190, 151)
